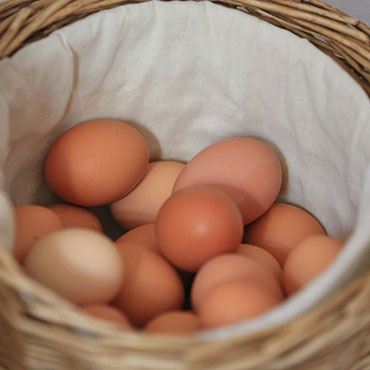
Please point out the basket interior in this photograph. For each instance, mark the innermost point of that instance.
(187, 75)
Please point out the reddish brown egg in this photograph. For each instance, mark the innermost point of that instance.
(151, 285)
(281, 228)
(73, 216)
(31, 224)
(142, 235)
(261, 256)
(232, 302)
(196, 224)
(232, 267)
(174, 322)
(246, 169)
(142, 204)
(96, 162)
(310, 258)
(108, 313)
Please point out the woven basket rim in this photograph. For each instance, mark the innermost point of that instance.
(320, 335)
(343, 38)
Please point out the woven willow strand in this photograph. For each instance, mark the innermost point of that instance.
(40, 333)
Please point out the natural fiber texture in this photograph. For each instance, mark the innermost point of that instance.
(344, 38)
(41, 334)
(42, 331)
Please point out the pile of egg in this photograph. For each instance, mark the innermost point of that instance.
(203, 245)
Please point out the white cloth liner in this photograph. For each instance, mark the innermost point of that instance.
(187, 74)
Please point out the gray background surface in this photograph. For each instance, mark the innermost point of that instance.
(359, 9)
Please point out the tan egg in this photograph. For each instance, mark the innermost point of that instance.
(197, 224)
(31, 224)
(232, 302)
(81, 265)
(96, 162)
(142, 204)
(232, 267)
(262, 256)
(174, 322)
(73, 216)
(151, 285)
(281, 228)
(108, 313)
(247, 170)
(142, 235)
(310, 258)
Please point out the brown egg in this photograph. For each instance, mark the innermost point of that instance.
(232, 302)
(246, 169)
(142, 235)
(151, 285)
(310, 258)
(96, 162)
(196, 224)
(262, 256)
(174, 322)
(281, 228)
(108, 313)
(142, 204)
(31, 224)
(232, 267)
(73, 216)
(81, 265)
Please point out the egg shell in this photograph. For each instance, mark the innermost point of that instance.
(246, 169)
(174, 322)
(142, 204)
(32, 223)
(281, 228)
(151, 285)
(142, 235)
(261, 256)
(196, 224)
(232, 267)
(76, 217)
(81, 265)
(232, 302)
(309, 259)
(108, 313)
(96, 162)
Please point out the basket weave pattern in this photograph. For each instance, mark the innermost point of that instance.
(38, 330)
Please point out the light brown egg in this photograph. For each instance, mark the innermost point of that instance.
(174, 322)
(108, 313)
(281, 228)
(142, 204)
(232, 267)
(74, 216)
(262, 256)
(142, 235)
(232, 302)
(196, 224)
(246, 169)
(310, 258)
(96, 162)
(31, 224)
(81, 265)
(151, 285)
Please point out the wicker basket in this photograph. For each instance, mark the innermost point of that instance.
(40, 333)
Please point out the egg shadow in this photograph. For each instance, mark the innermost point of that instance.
(284, 167)
(155, 148)
(110, 227)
